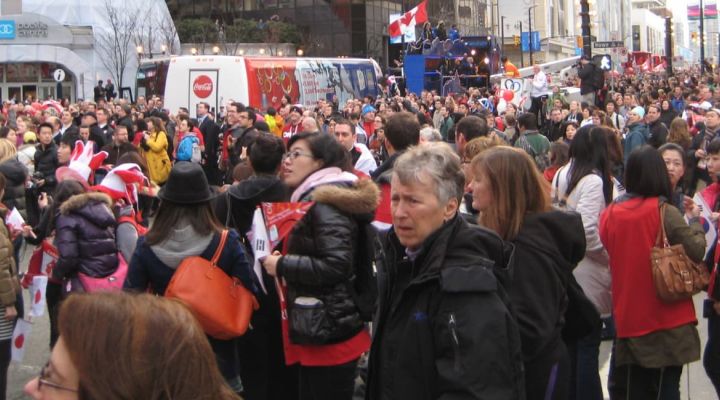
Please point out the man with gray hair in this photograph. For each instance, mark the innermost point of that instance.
(429, 135)
(441, 287)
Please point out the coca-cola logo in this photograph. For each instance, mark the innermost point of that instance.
(203, 86)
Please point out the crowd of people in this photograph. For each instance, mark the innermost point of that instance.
(445, 249)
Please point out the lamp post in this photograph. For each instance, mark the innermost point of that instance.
(530, 42)
(702, 38)
(502, 36)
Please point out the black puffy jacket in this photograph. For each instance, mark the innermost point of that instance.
(319, 264)
(46, 162)
(444, 328)
(16, 174)
(85, 237)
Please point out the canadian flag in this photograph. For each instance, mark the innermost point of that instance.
(411, 18)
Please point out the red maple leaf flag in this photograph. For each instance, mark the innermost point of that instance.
(417, 15)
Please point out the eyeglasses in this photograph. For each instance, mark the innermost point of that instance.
(292, 155)
(43, 381)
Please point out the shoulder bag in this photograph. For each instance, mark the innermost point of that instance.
(220, 303)
(675, 275)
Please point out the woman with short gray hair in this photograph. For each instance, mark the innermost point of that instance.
(441, 278)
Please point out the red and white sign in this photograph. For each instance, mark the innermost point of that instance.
(417, 15)
(203, 86)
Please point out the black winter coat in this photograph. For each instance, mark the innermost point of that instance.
(547, 244)
(85, 237)
(16, 175)
(587, 73)
(444, 328)
(46, 162)
(658, 134)
(322, 248)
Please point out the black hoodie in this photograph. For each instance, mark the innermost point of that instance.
(15, 174)
(243, 198)
(547, 248)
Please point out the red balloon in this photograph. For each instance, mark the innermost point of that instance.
(508, 95)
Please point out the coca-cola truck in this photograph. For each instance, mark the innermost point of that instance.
(260, 82)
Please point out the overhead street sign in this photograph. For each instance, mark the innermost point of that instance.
(608, 45)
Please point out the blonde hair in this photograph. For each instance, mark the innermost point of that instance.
(517, 189)
(480, 144)
(7, 150)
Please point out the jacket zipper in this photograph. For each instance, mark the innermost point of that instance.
(452, 324)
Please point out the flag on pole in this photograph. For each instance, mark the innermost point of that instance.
(19, 339)
(417, 15)
(705, 221)
(260, 244)
(39, 285)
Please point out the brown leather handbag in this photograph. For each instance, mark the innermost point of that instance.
(675, 275)
(220, 303)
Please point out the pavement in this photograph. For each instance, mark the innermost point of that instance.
(694, 384)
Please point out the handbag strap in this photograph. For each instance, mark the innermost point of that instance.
(662, 236)
(221, 245)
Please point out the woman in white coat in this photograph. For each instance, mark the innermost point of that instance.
(585, 185)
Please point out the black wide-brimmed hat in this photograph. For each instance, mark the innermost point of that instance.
(187, 184)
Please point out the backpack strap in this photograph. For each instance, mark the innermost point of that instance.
(221, 245)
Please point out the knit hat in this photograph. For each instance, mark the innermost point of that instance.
(367, 108)
(82, 163)
(639, 111)
(122, 182)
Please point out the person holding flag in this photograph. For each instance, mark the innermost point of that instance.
(326, 333)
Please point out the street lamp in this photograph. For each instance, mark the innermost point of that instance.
(139, 50)
(300, 52)
(193, 51)
(215, 50)
(261, 51)
(163, 48)
(530, 35)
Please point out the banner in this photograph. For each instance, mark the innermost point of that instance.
(710, 12)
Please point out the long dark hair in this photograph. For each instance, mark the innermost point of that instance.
(200, 216)
(325, 148)
(589, 154)
(646, 174)
(64, 190)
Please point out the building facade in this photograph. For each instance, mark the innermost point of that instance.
(355, 28)
(38, 38)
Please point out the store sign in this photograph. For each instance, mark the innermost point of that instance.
(32, 30)
(7, 29)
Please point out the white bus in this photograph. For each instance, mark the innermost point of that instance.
(260, 82)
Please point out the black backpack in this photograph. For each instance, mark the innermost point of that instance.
(598, 78)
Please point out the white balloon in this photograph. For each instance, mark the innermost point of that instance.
(502, 106)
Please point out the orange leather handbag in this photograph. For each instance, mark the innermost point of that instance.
(221, 304)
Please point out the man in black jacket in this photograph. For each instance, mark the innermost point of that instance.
(587, 74)
(658, 130)
(211, 136)
(443, 327)
(125, 119)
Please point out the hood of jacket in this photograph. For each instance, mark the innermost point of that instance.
(94, 207)
(459, 244)
(14, 171)
(558, 233)
(259, 187)
(360, 198)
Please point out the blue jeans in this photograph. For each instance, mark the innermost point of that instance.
(711, 357)
(585, 382)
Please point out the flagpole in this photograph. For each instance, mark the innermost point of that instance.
(702, 38)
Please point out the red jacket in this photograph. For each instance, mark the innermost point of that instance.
(628, 231)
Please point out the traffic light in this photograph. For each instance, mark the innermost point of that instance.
(516, 40)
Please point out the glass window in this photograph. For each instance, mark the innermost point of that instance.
(23, 72)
